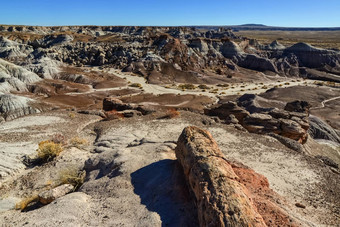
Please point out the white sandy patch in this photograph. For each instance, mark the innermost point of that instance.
(19, 124)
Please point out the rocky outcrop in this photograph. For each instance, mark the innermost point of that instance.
(313, 57)
(116, 108)
(298, 106)
(15, 78)
(224, 110)
(115, 104)
(221, 200)
(256, 118)
(321, 130)
(144, 50)
(13, 106)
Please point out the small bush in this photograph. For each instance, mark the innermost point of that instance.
(73, 176)
(48, 150)
(72, 115)
(78, 142)
(203, 86)
(187, 86)
(137, 85)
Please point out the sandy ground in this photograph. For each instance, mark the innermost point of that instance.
(21, 137)
(214, 91)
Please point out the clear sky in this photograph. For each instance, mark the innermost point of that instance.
(293, 13)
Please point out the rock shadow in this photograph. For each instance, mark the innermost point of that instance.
(162, 189)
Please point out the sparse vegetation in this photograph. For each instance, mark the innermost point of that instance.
(48, 150)
(72, 115)
(72, 175)
(136, 85)
(187, 86)
(23, 204)
(203, 86)
(222, 85)
(78, 142)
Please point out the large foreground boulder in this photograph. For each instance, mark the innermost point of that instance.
(221, 200)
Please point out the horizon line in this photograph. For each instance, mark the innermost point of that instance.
(241, 25)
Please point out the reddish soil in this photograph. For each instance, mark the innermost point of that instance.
(264, 198)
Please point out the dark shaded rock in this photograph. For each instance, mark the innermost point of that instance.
(298, 106)
(115, 104)
(231, 119)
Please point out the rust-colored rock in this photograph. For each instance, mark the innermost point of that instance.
(221, 199)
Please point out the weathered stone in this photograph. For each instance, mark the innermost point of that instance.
(298, 106)
(130, 113)
(293, 130)
(223, 111)
(115, 104)
(221, 200)
(55, 193)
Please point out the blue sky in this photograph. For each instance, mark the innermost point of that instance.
(294, 13)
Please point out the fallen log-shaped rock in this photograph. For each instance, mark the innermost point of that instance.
(221, 200)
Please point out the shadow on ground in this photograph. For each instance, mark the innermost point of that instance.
(162, 189)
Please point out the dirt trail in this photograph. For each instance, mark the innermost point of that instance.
(324, 102)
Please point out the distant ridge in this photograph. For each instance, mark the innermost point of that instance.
(254, 25)
(262, 27)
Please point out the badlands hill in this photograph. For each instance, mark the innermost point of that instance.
(166, 126)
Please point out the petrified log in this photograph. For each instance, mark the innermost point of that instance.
(221, 200)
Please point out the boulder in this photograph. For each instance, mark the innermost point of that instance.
(221, 200)
(261, 123)
(224, 110)
(293, 130)
(110, 103)
(298, 106)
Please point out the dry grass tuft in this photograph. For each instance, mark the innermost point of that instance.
(78, 142)
(186, 86)
(48, 150)
(23, 204)
(72, 175)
